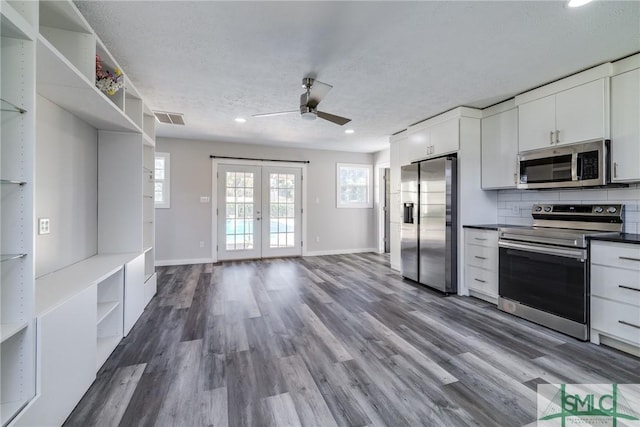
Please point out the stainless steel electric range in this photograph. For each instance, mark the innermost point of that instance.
(543, 269)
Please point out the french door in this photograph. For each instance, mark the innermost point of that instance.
(259, 212)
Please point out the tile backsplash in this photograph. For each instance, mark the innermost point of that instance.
(514, 206)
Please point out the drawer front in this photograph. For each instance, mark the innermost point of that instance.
(487, 238)
(482, 280)
(617, 319)
(616, 254)
(482, 256)
(616, 284)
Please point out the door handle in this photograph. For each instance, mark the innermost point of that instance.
(557, 137)
(615, 169)
(629, 258)
(479, 257)
(551, 137)
(622, 322)
(629, 287)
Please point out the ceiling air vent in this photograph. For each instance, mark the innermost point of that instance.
(170, 118)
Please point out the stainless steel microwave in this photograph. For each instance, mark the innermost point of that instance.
(585, 164)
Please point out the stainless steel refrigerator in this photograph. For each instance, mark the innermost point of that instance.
(428, 245)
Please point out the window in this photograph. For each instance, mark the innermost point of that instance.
(162, 184)
(354, 183)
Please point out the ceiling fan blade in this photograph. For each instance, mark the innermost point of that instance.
(318, 91)
(279, 113)
(333, 118)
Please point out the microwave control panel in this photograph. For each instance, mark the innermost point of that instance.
(590, 165)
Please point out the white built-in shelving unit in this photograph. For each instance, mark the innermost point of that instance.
(81, 311)
(17, 149)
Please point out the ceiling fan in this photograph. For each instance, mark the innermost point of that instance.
(315, 91)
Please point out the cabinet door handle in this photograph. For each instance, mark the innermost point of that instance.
(629, 287)
(484, 281)
(479, 257)
(629, 258)
(551, 137)
(557, 137)
(622, 322)
(615, 169)
(480, 238)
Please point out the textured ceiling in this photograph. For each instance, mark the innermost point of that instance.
(391, 63)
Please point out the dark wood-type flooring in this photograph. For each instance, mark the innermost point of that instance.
(325, 341)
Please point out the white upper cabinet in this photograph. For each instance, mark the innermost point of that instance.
(625, 126)
(573, 115)
(574, 109)
(432, 138)
(500, 150)
(414, 146)
(581, 113)
(536, 123)
(445, 137)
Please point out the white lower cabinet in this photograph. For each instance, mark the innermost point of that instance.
(150, 288)
(66, 341)
(615, 295)
(134, 292)
(481, 263)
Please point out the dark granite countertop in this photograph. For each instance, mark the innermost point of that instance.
(621, 238)
(492, 226)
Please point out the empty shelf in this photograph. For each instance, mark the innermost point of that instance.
(7, 330)
(9, 257)
(11, 107)
(105, 308)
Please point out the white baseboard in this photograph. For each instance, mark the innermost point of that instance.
(395, 267)
(340, 252)
(170, 262)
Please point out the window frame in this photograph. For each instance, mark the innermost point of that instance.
(166, 187)
(358, 205)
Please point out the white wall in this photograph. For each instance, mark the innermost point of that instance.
(66, 187)
(180, 228)
(514, 206)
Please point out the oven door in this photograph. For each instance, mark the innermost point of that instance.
(547, 278)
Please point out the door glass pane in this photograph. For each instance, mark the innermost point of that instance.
(239, 211)
(281, 210)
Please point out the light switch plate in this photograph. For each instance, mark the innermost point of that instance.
(204, 199)
(44, 226)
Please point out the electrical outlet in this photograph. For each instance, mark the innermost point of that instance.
(515, 209)
(204, 199)
(44, 226)
(202, 243)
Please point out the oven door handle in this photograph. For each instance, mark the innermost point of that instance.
(579, 254)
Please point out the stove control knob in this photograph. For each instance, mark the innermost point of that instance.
(547, 208)
(598, 209)
(538, 208)
(612, 209)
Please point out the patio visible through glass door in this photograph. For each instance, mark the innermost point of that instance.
(259, 212)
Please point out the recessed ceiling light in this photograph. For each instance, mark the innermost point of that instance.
(578, 3)
(240, 120)
(349, 131)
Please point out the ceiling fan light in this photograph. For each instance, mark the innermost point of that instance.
(308, 115)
